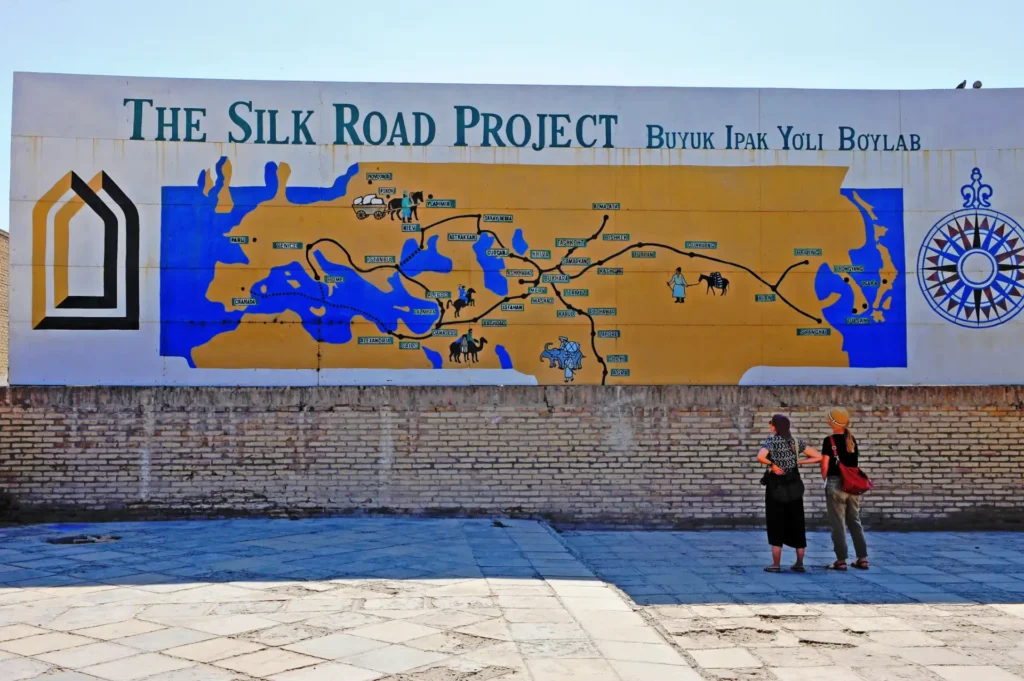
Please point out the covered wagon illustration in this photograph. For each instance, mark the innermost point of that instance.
(371, 204)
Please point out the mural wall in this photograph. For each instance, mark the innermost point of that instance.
(221, 232)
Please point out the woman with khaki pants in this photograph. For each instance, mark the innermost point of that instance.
(843, 509)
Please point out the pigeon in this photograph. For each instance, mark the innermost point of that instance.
(962, 85)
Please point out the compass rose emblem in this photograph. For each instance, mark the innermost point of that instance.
(970, 265)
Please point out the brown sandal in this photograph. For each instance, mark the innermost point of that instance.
(839, 565)
(861, 564)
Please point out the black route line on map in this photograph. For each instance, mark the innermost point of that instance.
(540, 271)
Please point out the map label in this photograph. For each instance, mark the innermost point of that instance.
(497, 217)
(615, 237)
(807, 252)
(612, 271)
(539, 290)
(764, 297)
(462, 236)
(379, 259)
(602, 311)
(439, 295)
(498, 252)
(242, 302)
(609, 333)
(518, 273)
(238, 239)
(814, 332)
(555, 278)
(566, 242)
(606, 206)
(858, 321)
(408, 345)
(621, 373)
(334, 279)
(288, 245)
(512, 307)
(540, 255)
(425, 311)
(576, 292)
(494, 322)
(870, 283)
(376, 340)
(840, 269)
(618, 359)
(410, 227)
(386, 191)
(380, 177)
(644, 254)
(702, 245)
(440, 203)
(542, 300)
(565, 314)
(575, 261)
(445, 332)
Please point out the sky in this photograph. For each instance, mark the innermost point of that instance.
(867, 44)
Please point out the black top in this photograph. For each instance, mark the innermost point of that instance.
(847, 458)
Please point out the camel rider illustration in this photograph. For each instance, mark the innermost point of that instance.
(467, 340)
(406, 207)
(462, 294)
(678, 285)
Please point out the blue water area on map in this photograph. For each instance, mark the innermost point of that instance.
(417, 262)
(874, 344)
(193, 241)
(306, 195)
(353, 297)
(519, 244)
(503, 356)
(434, 357)
(493, 267)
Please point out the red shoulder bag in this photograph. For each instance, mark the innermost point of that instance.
(852, 479)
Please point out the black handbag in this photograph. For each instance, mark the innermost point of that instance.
(785, 489)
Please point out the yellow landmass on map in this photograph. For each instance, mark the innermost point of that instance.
(742, 222)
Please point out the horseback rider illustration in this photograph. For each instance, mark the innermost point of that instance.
(462, 294)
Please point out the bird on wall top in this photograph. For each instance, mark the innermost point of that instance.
(962, 85)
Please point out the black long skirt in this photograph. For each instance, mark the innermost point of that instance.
(785, 522)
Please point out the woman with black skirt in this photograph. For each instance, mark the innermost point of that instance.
(781, 452)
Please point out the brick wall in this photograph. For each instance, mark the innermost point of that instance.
(681, 456)
(5, 257)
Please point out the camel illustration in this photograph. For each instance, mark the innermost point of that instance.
(458, 304)
(714, 280)
(456, 353)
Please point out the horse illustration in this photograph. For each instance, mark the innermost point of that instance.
(395, 206)
(567, 356)
(456, 354)
(714, 280)
(458, 304)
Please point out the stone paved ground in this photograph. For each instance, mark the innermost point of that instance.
(933, 605)
(468, 600)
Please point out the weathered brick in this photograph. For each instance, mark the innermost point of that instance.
(656, 455)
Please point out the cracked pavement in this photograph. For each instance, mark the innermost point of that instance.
(402, 599)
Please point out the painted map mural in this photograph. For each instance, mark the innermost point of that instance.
(579, 274)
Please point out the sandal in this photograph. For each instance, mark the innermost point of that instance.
(838, 565)
(773, 568)
(861, 564)
(798, 568)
